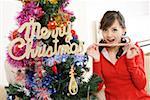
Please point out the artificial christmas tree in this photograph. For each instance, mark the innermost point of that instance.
(48, 54)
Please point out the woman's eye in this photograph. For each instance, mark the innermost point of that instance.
(104, 30)
(115, 30)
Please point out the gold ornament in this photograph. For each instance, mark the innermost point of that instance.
(88, 93)
(58, 20)
(52, 1)
(73, 87)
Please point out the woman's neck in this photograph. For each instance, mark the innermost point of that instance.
(113, 49)
(112, 54)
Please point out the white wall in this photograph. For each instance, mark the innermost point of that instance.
(87, 12)
(8, 12)
(136, 13)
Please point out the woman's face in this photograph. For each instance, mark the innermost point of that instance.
(114, 33)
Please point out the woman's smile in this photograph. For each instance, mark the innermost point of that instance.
(110, 40)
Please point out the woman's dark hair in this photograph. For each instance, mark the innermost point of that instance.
(109, 18)
(106, 22)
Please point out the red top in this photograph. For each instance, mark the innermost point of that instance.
(124, 80)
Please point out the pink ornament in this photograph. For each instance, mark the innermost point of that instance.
(20, 76)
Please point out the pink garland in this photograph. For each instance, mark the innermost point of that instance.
(30, 10)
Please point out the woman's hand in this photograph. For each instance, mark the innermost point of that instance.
(93, 51)
(132, 51)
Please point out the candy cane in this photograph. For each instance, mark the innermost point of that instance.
(123, 44)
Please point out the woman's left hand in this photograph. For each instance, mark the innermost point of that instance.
(132, 51)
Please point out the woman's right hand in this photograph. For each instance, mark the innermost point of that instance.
(93, 51)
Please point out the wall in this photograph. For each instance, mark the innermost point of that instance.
(8, 11)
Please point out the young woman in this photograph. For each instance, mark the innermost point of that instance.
(120, 67)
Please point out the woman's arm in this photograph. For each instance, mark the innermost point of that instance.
(136, 68)
(97, 70)
(93, 51)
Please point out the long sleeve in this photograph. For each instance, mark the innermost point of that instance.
(97, 70)
(136, 70)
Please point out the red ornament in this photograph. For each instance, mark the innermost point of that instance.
(73, 32)
(39, 63)
(40, 75)
(32, 63)
(65, 23)
(51, 25)
(16, 49)
(39, 68)
(54, 69)
(14, 35)
(39, 72)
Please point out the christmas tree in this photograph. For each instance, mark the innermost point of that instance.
(48, 54)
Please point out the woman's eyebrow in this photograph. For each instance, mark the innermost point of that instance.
(114, 27)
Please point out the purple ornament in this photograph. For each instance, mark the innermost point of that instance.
(50, 61)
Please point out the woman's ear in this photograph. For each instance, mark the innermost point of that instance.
(124, 33)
